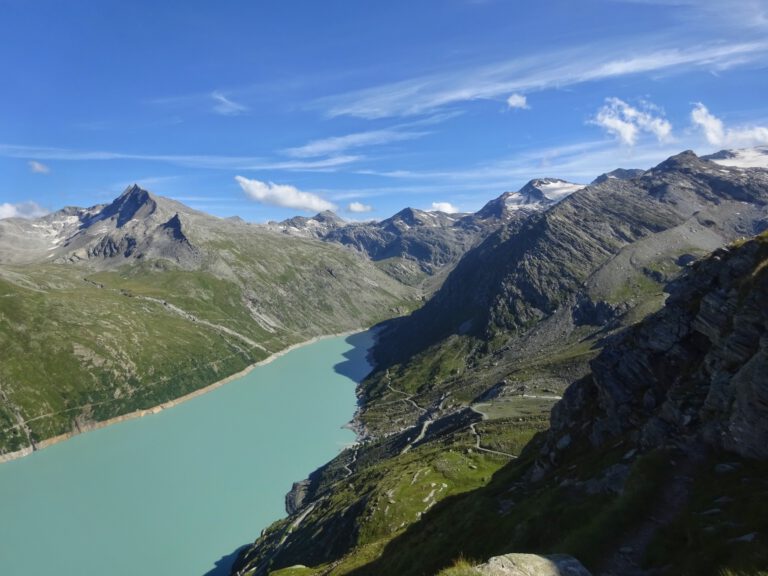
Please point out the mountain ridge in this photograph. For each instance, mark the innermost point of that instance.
(463, 383)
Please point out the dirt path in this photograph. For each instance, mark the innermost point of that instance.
(348, 467)
(406, 397)
(422, 432)
(476, 434)
(627, 558)
(192, 318)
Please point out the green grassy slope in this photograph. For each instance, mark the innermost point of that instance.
(83, 343)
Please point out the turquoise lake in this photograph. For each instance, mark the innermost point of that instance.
(177, 493)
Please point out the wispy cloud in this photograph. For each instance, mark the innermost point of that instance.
(359, 207)
(446, 207)
(22, 210)
(541, 71)
(401, 132)
(226, 106)
(627, 122)
(38, 167)
(283, 195)
(337, 144)
(577, 162)
(735, 14)
(197, 161)
(718, 134)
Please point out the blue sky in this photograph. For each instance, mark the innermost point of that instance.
(266, 109)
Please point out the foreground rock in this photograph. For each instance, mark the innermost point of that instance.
(532, 565)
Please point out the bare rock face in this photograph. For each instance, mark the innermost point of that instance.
(532, 565)
(697, 368)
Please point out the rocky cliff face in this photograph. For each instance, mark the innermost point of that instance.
(698, 367)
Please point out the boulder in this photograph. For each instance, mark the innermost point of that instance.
(532, 565)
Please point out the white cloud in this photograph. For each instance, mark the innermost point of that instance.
(718, 135)
(359, 207)
(518, 101)
(556, 69)
(627, 122)
(38, 167)
(22, 210)
(446, 207)
(283, 195)
(225, 106)
(336, 144)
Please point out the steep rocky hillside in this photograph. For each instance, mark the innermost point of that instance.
(465, 382)
(654, 464)
(122, 307)
(590, 257)
(656, 461)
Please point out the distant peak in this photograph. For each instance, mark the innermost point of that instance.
(756, 157)
(548, 190)
(409, 215)
(134, 189)
(619, 174)
(685, 158)
(328, 216)
(134, 202)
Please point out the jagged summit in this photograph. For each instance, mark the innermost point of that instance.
(329, 216)
(618, 174)
(314, 226)
(133, 203)
(411, 217)
(684, 160)
(537, 194)
(136, 224)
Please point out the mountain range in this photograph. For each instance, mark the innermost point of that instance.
(573, 368)
(127, 305)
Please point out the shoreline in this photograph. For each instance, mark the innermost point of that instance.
(355, 425)
(10, 456)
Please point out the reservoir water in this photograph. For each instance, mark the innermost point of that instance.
(177, 493)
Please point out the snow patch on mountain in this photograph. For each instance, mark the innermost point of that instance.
(742, 158)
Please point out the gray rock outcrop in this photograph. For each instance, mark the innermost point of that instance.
(698, 367)
(532, 565)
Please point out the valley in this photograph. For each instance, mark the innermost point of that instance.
(457, 438)
(441, 288)
(493, 329)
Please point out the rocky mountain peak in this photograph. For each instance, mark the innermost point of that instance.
(618, 174)
(537, 194)
(409, 216)
(683, 161)
(329, 217)
(173, 227)
(134, 203)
